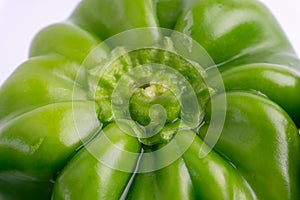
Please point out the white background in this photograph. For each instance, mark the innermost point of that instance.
(20, 20)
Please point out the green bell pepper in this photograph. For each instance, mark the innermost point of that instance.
(165, 99)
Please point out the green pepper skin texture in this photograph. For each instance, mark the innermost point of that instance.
(93, 171)
(276, 134)
(262, 37)
(192, 178)
(268, 79)
(57, 130)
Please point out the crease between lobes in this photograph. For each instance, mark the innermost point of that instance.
(210, 171)
(217, 171)
(192, 175)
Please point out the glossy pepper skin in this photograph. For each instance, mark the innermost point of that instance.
(54, 142)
